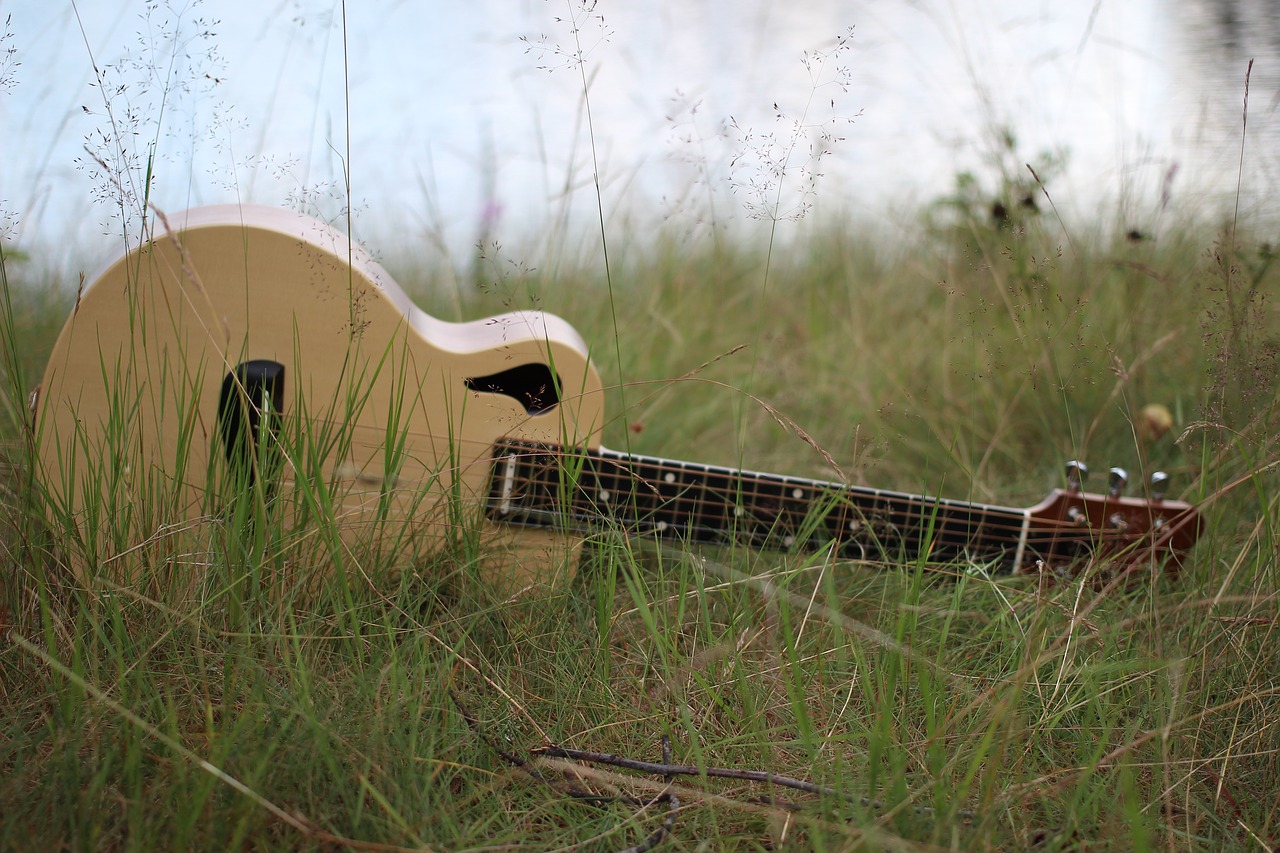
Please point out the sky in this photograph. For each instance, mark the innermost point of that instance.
(456, 122)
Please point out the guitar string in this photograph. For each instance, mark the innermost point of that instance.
(948, 529)
(972, 518)
(974, 525)
(766, 489)
(988, 546)
(940, 542)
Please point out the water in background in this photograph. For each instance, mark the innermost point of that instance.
(468, 122)
(1210, 45)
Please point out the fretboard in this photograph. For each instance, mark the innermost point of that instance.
(589, 490)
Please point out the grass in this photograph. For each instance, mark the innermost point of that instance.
(944, 709)
(260, 706)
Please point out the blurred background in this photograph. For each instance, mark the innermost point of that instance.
(458, 123)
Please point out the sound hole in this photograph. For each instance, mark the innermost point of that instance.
(250, 393)
(533, 386)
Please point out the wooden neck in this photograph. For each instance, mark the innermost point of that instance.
(557, 487)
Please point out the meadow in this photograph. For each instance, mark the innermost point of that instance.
(668, 696)
(935, 706)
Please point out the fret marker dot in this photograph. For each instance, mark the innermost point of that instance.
(797, 493)
(670, 477)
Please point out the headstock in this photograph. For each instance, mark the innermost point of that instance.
(1072, 524)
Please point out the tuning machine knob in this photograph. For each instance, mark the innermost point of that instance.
(1077, 473)
(1117, 479)
(1159, 486)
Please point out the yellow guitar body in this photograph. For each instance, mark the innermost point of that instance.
(387, 416)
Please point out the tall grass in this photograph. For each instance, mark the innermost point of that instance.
(311, 690)
(975, 712)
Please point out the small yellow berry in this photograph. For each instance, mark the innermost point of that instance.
(1154, 421)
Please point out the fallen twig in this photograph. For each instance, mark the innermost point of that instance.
(668, 771)
(580, 794)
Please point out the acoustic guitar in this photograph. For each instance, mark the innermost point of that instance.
(242, 347)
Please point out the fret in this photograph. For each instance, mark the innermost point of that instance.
(671, 499)
(508, 485)
(689, 505)
(647, 497)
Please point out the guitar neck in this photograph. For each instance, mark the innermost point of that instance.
(580, 489)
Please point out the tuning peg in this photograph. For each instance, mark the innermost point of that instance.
(1117, 479)
(1159, 486)
(1077, 473)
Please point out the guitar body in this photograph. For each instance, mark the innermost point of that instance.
(248, 361)
(243, 338)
